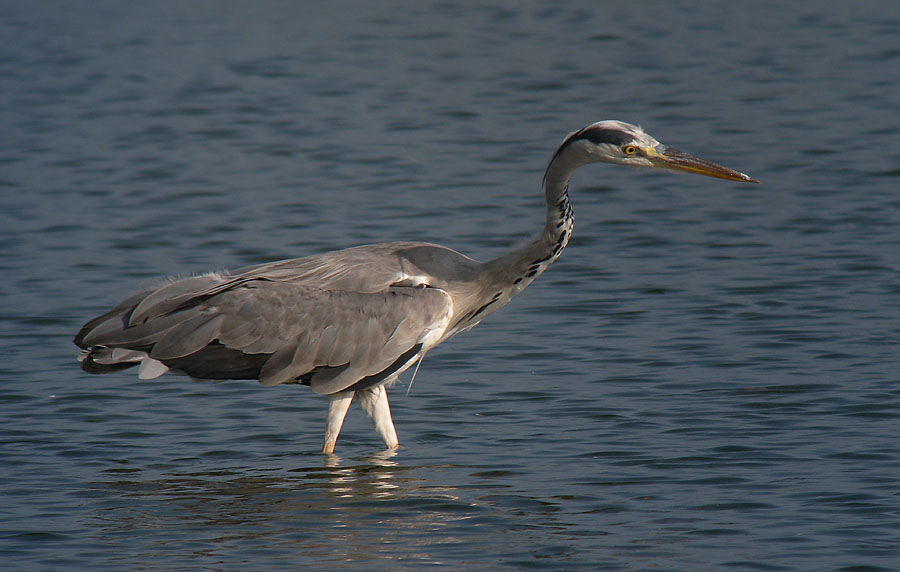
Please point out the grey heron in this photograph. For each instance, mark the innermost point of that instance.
(347, 323)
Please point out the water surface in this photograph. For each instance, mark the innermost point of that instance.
(707, 379)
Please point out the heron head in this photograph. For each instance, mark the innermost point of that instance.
(625, 144)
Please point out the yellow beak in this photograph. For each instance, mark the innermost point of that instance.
(667, 158)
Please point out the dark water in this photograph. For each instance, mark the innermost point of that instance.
(708, 379)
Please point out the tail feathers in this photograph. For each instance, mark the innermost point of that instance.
(100, 360)
(89, 365)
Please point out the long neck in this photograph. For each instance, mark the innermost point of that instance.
(506, 276)
(517, 269)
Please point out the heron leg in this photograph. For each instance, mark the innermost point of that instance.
(374, 402)
(338, 404)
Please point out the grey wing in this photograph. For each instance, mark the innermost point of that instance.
(279, 331)
(339, 337)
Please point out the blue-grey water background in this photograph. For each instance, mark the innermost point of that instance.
(708, 378)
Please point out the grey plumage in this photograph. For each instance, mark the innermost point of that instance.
(347, 322)
(309, 317)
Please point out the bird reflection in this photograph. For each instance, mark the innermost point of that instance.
(345, 480)
(380, 458)
(336, 512)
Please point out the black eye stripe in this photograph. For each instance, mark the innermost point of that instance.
(596, 135)
(601, 135)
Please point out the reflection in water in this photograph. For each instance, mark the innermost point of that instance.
(337, 512)
(344, 480)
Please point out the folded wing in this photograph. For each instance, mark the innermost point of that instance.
(219, 327)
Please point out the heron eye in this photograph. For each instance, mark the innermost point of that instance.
(630, 150)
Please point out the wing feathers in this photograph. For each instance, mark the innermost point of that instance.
(189, 337)
(170, 296)
(277, 368)
(334, 320)
(333, 338)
